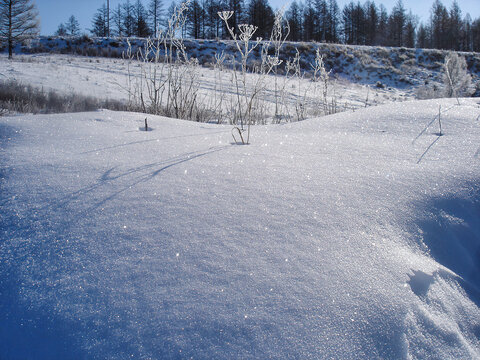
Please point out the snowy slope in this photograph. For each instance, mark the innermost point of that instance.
(403, 68)
(351, 236)
(107, 79)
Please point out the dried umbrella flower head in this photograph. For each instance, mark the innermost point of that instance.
(225, 15)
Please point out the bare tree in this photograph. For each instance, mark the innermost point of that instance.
(18, 21)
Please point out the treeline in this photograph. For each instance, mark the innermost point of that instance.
(369, 24)
(310, 20)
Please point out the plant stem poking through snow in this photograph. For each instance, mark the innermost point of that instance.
(280, 32)
(321, 75)
(440, 119)
(237, 129)
(242, 42)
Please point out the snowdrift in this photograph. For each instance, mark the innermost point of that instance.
(351, 236)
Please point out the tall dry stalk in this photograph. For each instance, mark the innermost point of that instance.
(280, 32)
(245, 96)
(161, 78)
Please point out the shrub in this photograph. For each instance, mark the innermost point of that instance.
(429, 91)
(16, 97)
(456, 78)
(410, 62)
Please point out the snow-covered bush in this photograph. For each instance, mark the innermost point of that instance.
(457, 80)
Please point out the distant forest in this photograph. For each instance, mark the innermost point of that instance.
(309, 20)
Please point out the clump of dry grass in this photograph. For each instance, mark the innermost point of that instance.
(17, 97)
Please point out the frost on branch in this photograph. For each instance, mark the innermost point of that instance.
(457, 80)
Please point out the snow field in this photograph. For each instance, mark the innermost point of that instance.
(107, 79)
(347, 236)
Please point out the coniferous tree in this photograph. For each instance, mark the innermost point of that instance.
(466, 38)
(213, 22)
(455, 27)
(476, 35)
(210, 18)
(396, 24)
(381, 36)
(321, 17)
(61, 30)
(423, 38)
(354, 23)
(18, 21)
(319, 20)
(334, 12)
(117, 20)
(171, 9)
(194, 19)
(260, 14)
(141, 28)
(294, 19)
(308, 21)
(359, 24)
(100, 23)
(128, 19)
(72, 26)
(371, 19)
(108, 18)
(439, 25)
(410, 30)
(347, 22)
(155, 11)
(203, 25)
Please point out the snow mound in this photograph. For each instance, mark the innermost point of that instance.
(350, 236)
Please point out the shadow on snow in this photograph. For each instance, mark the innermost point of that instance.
(39, 296)
(452, 235)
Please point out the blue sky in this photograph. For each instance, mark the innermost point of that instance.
(54, 12)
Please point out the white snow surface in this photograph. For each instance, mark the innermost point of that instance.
(352, 236)
(106, 78)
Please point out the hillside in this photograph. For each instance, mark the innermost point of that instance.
(380, 66)
(349, 236)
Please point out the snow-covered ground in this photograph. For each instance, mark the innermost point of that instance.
(99, 77)
(107, 79)
(352, 236)
(396, 67)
